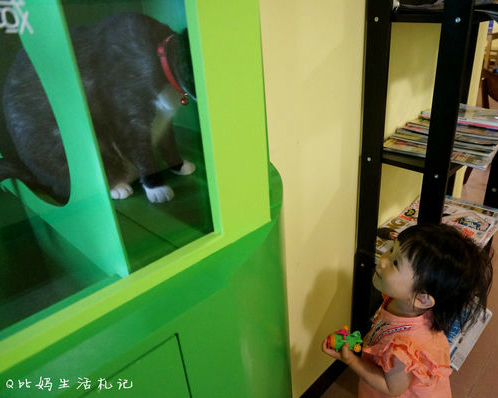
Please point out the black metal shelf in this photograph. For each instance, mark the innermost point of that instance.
(416, 16)
(429, 16)
(459, 29)
(413, 163)
(457, 40)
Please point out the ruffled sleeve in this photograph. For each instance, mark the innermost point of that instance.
(427, 363)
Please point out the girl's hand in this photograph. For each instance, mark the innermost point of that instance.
(393, 383)
(345, 355)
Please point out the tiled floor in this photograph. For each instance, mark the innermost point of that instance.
(478, 376)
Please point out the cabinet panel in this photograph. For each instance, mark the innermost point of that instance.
(159, 373)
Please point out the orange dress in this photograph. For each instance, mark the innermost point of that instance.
(424, 352)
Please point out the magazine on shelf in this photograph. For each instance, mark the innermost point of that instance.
(388, 232)
(419, 150)
(479, 147)
(394, 145)
(467, 133)
(473, 116)
(477, 222)
(472, 146)
(462, 341)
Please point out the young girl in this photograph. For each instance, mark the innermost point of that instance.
(431, 277)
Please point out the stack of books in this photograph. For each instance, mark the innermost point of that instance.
(476, 137)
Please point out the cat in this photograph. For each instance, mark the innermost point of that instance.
(126, 90)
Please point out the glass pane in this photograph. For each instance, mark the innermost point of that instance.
(145, 118)
(138, 121)
(32, 271)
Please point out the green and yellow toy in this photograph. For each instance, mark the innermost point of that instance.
(337, 339)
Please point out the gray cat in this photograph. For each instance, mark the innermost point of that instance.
(126, 90)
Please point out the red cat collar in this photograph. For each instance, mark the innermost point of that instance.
(161, 51)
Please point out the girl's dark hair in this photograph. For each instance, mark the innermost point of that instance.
(452, 269)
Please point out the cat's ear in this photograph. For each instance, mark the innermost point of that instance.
(424, 301)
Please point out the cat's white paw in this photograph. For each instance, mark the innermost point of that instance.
(159, 194)
(187, 168)
(121, 191)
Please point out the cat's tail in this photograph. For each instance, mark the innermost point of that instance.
(10, 169)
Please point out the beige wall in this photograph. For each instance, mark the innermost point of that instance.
(412, 71)
(313, 64)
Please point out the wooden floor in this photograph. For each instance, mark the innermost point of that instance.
(479, 373)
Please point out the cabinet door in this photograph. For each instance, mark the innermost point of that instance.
(159, 373)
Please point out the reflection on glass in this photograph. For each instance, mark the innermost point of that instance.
(30, 138)
(38, 267)
(135, 68)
